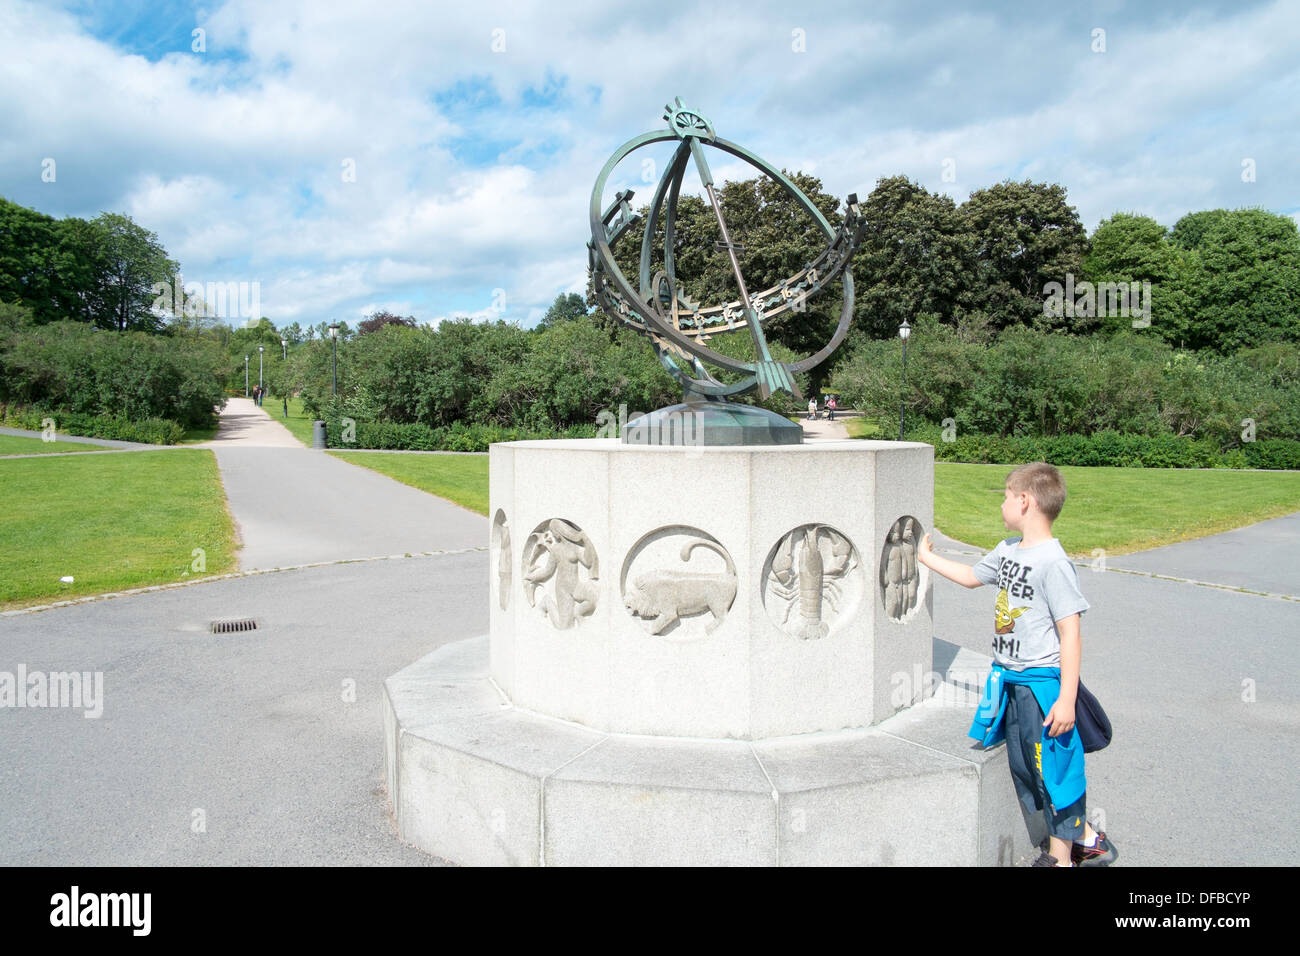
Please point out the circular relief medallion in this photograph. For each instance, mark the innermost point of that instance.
(560, 570)
(680, 581)
(811, 579)
(902, 577)
(501, 558)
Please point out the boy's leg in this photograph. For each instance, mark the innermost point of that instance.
(1024, 743)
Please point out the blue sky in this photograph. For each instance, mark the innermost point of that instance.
(437, 158)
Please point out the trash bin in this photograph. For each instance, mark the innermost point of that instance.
(317, 434)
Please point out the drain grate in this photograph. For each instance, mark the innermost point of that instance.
(234, 627)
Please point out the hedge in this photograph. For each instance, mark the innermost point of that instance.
(151, 431)
(1110, 448)
(392, 436)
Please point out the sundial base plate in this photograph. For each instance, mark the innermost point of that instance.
(708, 423)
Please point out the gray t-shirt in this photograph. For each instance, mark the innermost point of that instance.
(1036, 588)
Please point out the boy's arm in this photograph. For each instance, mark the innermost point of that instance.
(950, 569)
(1060, 718)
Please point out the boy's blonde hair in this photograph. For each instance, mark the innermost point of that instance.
(1042, 481)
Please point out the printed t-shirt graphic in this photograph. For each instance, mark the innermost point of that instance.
(1036, 588)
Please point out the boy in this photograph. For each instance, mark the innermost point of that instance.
(1036, 655)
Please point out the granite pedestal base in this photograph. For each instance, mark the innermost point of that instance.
(480, 782)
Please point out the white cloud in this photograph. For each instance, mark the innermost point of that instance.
(237, 161)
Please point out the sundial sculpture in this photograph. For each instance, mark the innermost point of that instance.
(678, 328)
(636, 640)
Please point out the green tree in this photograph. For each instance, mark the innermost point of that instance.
(132, 261)
(917, 256)
(1190, 230)
(1242, 278)
(49, 265)
(1128, 248)
(567, 305)
(378, 320)
(1026, 235)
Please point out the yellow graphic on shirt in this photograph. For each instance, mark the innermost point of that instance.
(1038, 757)
(1004, 616)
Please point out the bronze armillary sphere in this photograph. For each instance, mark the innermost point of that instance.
(677, 327)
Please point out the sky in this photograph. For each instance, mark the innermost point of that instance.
(437, 159)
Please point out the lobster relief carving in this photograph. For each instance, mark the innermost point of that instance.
(810, 580)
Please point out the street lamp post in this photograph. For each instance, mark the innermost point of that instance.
(284, 394)
(260, 350)
(334, 336)
(904, 331)
(245, 376)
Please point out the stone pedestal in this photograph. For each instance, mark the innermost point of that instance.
(798, 637)
(477, 781)
(692, 652)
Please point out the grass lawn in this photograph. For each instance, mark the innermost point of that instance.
(19, 445)
(462, 479)
(298, 422)
(111, 522)
(193, 436)
(1119, 509)
(861, 428)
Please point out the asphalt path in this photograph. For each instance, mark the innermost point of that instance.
(225, 749)
(296, 506)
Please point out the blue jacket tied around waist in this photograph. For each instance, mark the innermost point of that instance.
(1062, 762)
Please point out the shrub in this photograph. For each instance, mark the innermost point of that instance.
(151, 431)
(1111, 448)
(131, 376)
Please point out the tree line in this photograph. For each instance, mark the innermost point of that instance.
(1219, 279)
(991, 283)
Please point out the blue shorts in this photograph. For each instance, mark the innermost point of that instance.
(1024, 729)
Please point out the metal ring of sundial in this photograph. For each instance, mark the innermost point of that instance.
(676, 326)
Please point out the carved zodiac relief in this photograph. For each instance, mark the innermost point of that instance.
(900, 572)
(666, 595)
(553, 557)
(501, 558)
(810, 581)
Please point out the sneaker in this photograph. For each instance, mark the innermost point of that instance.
(1101, 854)
(1046, 859)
